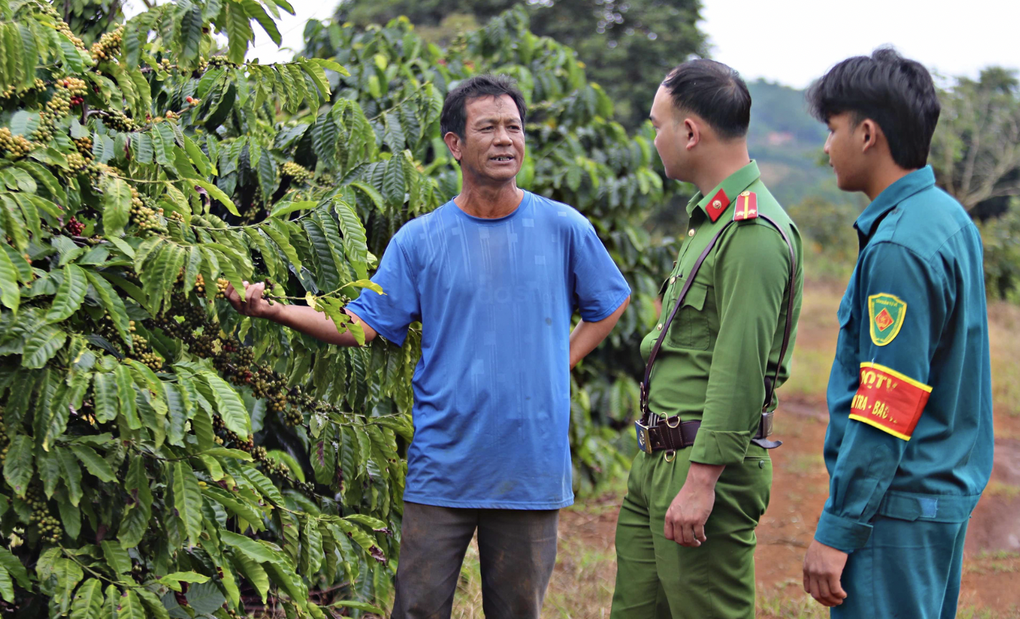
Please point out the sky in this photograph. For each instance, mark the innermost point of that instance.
(795, 41)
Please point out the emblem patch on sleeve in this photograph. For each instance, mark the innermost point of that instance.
(887, 313)
(888, 400)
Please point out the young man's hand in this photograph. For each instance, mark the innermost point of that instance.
(253, 305)
(823, 566)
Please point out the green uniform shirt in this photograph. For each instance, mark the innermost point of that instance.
(726, 338)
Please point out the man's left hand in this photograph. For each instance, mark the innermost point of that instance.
(690, 509)
(823, 567)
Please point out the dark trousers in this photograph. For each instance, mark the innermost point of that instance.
(516, 549)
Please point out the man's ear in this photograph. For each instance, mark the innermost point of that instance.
(870, 135)
(692, 133)
(453, 142)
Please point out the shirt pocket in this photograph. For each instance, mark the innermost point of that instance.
(690, 326)
(846, 344)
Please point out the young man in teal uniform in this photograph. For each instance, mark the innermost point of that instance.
(686, 534)
(909, 444)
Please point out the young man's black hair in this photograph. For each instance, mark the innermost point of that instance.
(897, 93)
(454, 113)
(714, 92)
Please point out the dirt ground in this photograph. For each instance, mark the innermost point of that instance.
(991, 581)
(583, 582)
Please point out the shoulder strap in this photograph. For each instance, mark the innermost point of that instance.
(769, 382)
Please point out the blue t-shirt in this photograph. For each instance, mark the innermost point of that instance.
(492, 390)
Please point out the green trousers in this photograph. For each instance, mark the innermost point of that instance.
(657, 577)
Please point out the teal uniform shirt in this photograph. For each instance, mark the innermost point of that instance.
(910, 397)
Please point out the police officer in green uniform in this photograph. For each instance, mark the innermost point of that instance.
(909, 444)
(686, 533)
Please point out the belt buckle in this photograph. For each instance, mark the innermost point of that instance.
(644, 444)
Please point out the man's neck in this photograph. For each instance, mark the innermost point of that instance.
(720, 165)
(882, 178)
(489, 201)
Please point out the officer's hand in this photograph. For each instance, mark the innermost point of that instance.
(253, 305)
(688, 513)
(823, 566)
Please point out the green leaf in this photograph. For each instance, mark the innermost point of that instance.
(88, 601)
(48, 465)
(229, 404)
(114, 305)
(116, 205)
(365, 606)
(253, 549)
(72, 474)
(95, 464)
(197, 156)
(10, 294)
(311, 547)
(70, 294)
(190, 32)
(257, 13)
(355, 245)
(281, 209)
(239, 32)
(15, 568)
(175, 579)
(217, 194)
(254, 572)
(130, 606)
(188, 499)
(153, 603)
(279, 234)
(41, 347)
(126, 395)
(6, 586)
(285, 577)
(267, 176)
(116, 557)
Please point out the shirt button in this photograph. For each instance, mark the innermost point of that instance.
(690, 232)
(672, 279)
(716, 204)
(659, 326)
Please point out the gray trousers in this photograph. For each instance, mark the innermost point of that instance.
(516, 549)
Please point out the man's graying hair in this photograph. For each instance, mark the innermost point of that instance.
(454, 114)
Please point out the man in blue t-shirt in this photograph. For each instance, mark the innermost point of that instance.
(494, 276)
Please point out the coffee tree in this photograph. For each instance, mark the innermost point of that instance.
(164, 456)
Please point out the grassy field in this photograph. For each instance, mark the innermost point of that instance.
(583, 582)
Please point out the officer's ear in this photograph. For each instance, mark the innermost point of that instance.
(692, 133)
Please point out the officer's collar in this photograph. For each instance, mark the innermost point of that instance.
(715, 203)
(912, 183)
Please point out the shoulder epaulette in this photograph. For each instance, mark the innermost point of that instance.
(746, 206)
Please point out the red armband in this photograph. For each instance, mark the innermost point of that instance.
(889, 400)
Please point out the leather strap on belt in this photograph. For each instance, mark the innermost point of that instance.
(652, 421)
(673, 434)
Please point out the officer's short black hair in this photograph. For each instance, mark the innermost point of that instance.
(895, 92)
(714, 92)
(454, 114)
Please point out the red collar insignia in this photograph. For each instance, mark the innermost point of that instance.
(717, 205)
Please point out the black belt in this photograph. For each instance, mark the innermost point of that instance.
(671, 434)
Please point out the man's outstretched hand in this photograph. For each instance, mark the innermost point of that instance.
(823, 567)
(253, 305)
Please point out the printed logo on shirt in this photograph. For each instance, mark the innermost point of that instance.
(887, 312)
(889, 400)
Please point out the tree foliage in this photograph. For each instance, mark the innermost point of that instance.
(164, 456)
(976, 148)
(627, 47)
